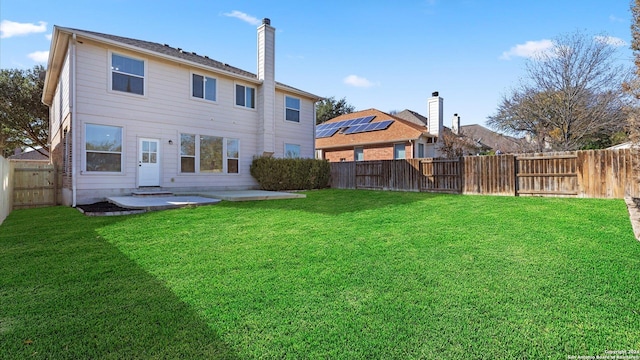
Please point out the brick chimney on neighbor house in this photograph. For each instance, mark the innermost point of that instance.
(435, 113)
(455, 124)
(266, 96)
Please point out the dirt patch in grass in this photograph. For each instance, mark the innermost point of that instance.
(633, 204)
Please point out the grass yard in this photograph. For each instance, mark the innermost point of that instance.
(341, 275)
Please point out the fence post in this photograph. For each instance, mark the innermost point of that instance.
(515, 175)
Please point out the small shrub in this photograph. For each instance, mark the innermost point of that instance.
(290, 174)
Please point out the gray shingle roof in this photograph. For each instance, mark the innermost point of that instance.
(179, 53)
(168, 50)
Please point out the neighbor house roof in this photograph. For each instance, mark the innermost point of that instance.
(492, 139)
(399, 131)
(62, 34)
(413, 117)
(31, 155)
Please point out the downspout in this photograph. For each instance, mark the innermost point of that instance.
(74, 129)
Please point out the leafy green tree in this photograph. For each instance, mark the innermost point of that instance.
(330, 108)
(24, 119)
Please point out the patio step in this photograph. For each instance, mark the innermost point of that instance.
(151, 193)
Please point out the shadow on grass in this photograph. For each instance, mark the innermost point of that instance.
(333, 201)
(71, 294)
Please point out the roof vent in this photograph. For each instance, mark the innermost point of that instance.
(206, 57)
(194, 53)
(167, 45)
(434, 94)
(266, 21)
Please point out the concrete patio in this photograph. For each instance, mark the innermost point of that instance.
(161, 201)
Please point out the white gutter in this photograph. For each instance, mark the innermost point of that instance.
(75, 132)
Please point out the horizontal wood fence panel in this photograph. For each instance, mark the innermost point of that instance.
(590, 173)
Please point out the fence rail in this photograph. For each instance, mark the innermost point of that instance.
(590, 173)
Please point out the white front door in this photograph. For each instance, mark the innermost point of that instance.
(149, 162)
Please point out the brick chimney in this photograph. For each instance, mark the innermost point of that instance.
(435, 113)
(455, 124)
(267, 91)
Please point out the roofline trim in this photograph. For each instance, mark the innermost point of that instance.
(367, 143)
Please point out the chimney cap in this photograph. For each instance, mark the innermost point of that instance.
(435, 93)
(456, 114)
(266, 21)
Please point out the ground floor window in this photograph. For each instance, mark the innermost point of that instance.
(358, 154)
(291, 151)
(206, 154)
(399, 151)
(420, 150)
(103, 148)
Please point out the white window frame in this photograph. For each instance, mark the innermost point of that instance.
(145, 77)
(196, 157)
(291, 108)
(286, 153)
(404, 149)
(227, 157)
(235, 96)
(85, 151)
(355, 153)
(204, 88)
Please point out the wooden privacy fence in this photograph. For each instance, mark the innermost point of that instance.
(35, 184)
(592, 173)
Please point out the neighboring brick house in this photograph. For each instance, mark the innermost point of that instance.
(395, 138)
(376, 135)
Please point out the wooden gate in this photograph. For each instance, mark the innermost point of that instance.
(34, 184)
(441, 175)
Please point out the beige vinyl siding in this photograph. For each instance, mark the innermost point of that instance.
(166, 111)
(290, 132)
(60, 106)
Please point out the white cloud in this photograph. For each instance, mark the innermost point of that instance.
(530, 49)
(11, 28)
(49, 36)
(244, 17)
(614, 18)
(39, 56)
(357, 81)
(610, 40)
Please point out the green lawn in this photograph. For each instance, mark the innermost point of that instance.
(340, 275)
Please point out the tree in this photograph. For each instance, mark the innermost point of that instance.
(633, 87)
(453, 146)
(571, 95)
(24, 119)
(330, 108)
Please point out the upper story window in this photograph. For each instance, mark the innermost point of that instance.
(127, 74)
(245, 96)
(420, 150)
(203, 87)
(358, 154)
(292, 108)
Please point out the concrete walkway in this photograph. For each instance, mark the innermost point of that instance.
(197, 199)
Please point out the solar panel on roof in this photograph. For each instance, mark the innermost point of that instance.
(326, 133)
(369, 127)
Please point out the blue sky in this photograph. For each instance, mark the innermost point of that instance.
(388, 55)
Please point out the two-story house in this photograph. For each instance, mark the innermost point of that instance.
(128, 114)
